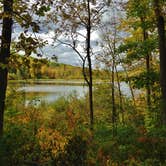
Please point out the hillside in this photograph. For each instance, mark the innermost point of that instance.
(32, 68)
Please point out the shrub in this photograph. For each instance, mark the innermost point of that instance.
(75, 153)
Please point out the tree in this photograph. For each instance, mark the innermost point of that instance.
(17, 11)
(110, 39)
(162, 52)
(5, 54)
(74, 17)
(140, 45)
(90, 82)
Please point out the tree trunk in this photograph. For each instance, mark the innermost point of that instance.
(129, 82)
(162, 52)
(90, 66)
(4, 55)
(148, 89)
(120, 96)
(114, 116)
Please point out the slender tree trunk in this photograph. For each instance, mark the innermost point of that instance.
(129, 82)
(162, 52)
(114, 116)
(114, 113)
(120, 95)
(90, 66)
(4, 55)
(148, 89)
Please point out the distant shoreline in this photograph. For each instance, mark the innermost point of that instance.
(55, 81)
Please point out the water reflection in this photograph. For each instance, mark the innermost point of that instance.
(50, 93)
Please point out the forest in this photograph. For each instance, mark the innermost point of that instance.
(46, 69)
(82, 83)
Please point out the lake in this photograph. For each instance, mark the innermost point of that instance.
(50, 93)
(37, 91)
(50, 90)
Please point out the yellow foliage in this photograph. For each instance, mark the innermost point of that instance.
(50, 140)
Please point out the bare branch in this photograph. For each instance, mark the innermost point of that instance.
(81, 57)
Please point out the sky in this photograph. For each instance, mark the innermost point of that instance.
(64, 53)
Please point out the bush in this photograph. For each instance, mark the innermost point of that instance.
(17, 145)
(75, 153)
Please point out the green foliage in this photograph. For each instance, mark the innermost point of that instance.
(144, 79)
(41, 11)
(132, 145)
(135, 50)
(17, 145)
(61, 104)
(138, 8)
(75, 153)
(23, 67)
(58, 134)
(29, 44)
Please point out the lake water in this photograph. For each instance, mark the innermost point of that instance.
(50, 91)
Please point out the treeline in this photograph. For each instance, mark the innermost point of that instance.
(23, 67)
